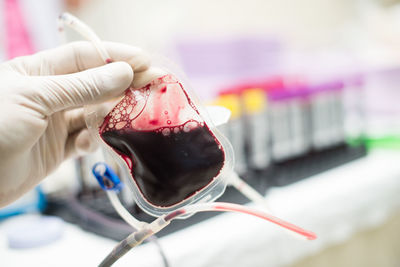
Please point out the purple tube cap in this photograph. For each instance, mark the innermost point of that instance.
(289, 92)
(335, 85)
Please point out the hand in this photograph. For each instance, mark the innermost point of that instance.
(41, 115)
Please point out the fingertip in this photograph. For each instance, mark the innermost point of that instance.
(138, 58)
(140, 62)
(122, 73)
(115, 78)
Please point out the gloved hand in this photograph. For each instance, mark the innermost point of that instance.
(41, 116)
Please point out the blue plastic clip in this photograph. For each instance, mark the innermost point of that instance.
(106, 177)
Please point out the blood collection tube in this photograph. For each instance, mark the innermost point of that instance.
(321, 135)
(289, 121)
(327, 114)
(299, 114)
(254, 102)
(280, 129)
(337, 113)
(353, 94)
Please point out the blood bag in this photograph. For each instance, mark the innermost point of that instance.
(170, 152)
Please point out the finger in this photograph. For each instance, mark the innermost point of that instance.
(61, 92)
(75, 120)
(79, 56)
(80, 143)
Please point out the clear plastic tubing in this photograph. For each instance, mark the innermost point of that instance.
(132, 221)
(223, 206)
(80, 27)
(247, 190)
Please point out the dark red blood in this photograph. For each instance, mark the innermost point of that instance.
(174, 214)
(168, 169)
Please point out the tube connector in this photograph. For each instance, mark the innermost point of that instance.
(106, 177)
(158, 224)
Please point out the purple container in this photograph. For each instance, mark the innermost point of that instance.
(247, 56)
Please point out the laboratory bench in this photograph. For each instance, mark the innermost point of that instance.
(353, 208)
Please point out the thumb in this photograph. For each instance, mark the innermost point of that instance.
(61, 92)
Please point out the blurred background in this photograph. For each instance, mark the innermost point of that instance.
(313, 88)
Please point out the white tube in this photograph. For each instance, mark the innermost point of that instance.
(133, 240)
(252, 195)
(132, 221)
(247, 190)
(80, 27)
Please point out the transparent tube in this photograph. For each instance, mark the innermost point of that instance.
(80, 27)
(223, 206)
(136, 225)
(132, 221)
(247, 190)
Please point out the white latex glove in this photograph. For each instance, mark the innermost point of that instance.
(41, 116)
